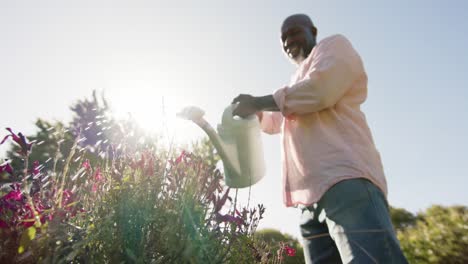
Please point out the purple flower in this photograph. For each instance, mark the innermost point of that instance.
(219, 203)
(20, 140)
(229, 219)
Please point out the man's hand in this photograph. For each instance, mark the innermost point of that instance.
(246, 105)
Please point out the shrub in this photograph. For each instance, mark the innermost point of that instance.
(144, 206)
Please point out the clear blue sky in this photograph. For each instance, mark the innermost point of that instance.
(53, 53)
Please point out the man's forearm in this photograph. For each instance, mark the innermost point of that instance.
(266, 103)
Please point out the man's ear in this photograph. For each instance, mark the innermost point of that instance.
(314, 31)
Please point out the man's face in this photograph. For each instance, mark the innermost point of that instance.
(298, 39)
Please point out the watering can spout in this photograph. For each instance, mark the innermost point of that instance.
(237, 142)
(226, 150)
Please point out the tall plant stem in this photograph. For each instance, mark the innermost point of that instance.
(65, 172)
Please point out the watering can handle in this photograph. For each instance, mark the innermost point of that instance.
(227, 114)
(228, 118)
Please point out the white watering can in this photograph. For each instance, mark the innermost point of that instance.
(238, 143)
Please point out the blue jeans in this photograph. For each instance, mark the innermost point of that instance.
(350, 224)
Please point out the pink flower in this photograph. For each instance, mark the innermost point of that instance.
(149, 159)
(220, 202)
(238, 213)
(181, 157)
(14, 195)
(290, 251)
(20, 140)
(28, 218)
(35, 169)
(67, 197)
(69, 209)
(6, 167)
(138, 163)
(97, 180)
(15, 211)
(19, 210)
(86, 165)
(3, 224)
(98, 175)
(12, 199)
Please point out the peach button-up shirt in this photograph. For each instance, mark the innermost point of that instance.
(324, 133)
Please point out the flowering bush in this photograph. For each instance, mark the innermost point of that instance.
(126, 205)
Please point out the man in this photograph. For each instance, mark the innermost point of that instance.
(331, 168)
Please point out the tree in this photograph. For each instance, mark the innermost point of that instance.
(401, 218)
(439, 235)
(50, 144)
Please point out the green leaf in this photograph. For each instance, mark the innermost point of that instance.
(26, 238)
(130, 254)
(73, 254)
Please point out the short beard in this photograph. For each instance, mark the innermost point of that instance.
(299, 58)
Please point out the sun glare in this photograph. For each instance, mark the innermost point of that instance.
(155, 112)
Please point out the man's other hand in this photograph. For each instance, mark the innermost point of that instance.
(246, 105)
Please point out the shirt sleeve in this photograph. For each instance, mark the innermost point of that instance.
(271, 122)
(333, 69)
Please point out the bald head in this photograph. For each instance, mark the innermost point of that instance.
(297, 20)
(298, 36)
